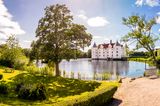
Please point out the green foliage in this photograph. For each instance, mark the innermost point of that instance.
(106, 76)
(158, 73)
(12, 55)
(31, 93)
(19, 86)
(100, 96)
(3, 88)
(1, 76)
(141, 32)
(138, 54)
(33, 69)
(158, 62)
(72, 74)
(57, 85)
(58, 37)
(8, 70)
(59, 91)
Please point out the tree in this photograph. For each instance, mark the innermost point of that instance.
(141, 32)
(12, 55)
(34, 53)
(12, 42)
(58, 36)
(89, 53)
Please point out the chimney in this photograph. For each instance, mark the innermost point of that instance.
(110, 41)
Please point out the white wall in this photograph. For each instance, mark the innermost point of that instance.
(104, 53)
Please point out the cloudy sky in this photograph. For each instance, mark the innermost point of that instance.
(103, 18)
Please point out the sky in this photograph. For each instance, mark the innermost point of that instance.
(103, 18)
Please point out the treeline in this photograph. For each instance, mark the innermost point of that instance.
(81, 54)
(138, 54)
(12, 55)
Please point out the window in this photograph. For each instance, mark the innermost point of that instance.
(117, 54)
(117, 51)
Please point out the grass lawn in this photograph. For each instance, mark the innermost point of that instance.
(58, 89)
(8, 76)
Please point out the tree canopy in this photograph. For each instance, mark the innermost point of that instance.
(141, 32)
(58, 36)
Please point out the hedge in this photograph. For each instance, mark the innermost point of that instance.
(95, 98)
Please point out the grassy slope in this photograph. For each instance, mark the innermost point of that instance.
(7, 76)
(59, 89)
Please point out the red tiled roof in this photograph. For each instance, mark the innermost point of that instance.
(107, 45)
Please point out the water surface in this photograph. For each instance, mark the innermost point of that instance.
(89, 69)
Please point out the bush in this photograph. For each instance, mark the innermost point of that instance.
(1, 76)
(24, 93)
(13, 58)
(3, 88)
(96, 98)
(31, 69)
(99, 99)
(19, 86)
(38, 93)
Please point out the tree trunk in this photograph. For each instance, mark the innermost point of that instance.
(154, 57)
(57, 68)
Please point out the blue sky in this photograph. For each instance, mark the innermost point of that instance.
(103, 18)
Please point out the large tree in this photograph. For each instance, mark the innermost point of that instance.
(141, 32)
(58, 36)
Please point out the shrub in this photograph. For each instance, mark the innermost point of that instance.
(24, 93)
(31, 69)
(19, 86)
(3, 88)
(1, 76)
(45, 70)
(106, 76)
(37, 93)
(18, 65)
(13, 58)
(96, 98)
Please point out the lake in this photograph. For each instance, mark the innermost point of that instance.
(95, 69)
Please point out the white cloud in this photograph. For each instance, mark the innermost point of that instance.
(27, 41)
(82, 16)
(97, 22)
(159, 30)
(139, 2)
(92, 21)
(150, 3)
(158, 13)
(158, 20)
(97, 37)
(153, 3)
(7, 25)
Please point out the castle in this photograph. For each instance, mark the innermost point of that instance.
(108, 51)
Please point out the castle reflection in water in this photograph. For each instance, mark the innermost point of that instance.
(97, 69)
(115, 68)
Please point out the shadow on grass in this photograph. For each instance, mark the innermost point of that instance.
(57, 87)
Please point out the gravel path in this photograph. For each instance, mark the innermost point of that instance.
(139, 92)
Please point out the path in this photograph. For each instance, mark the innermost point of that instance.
(139, 92)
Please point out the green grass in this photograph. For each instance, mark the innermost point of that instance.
(7, 76)
(140, 59)
(58, 89)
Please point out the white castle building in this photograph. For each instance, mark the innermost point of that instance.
(108, 51)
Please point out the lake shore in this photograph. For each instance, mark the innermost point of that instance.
(138, 92)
